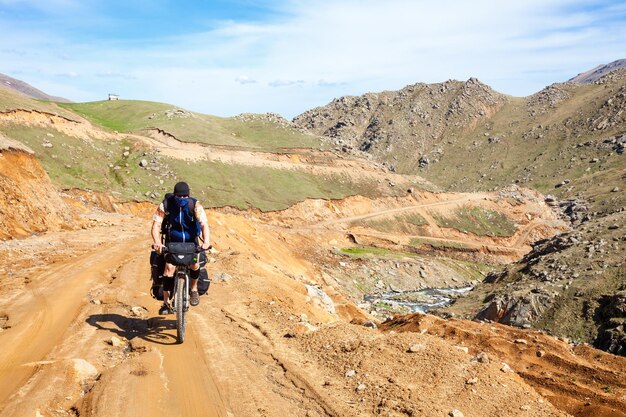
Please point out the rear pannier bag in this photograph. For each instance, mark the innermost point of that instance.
(203, 281)
(157, 266)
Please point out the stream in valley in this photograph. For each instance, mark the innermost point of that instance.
(416, 301)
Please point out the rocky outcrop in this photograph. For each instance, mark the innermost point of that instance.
(402, 128)
(519, 311)
(612, 315)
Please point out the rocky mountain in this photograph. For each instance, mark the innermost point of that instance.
(404, 129)
(596, 73)
(27, 89)
(566, 141)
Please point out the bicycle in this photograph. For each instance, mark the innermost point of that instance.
(182, 255)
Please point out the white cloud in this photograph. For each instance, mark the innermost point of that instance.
(70, 74)
(285, 83)
(244, 79)
(331, 48)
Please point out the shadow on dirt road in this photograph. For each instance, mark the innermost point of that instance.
(151, 330)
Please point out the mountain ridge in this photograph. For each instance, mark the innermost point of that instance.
(598, 72)
(28, 90)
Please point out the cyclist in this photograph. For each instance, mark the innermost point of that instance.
(187, 222)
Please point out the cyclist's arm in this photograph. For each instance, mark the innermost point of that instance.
(204, 225)
(157, 220)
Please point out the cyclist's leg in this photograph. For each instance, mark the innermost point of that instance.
(194, 274)
(168, 281)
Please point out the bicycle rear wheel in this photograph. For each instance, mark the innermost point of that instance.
(180, 307)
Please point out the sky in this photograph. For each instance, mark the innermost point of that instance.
(285, 56)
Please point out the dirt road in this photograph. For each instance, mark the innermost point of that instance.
(73, 343)
(82, 337)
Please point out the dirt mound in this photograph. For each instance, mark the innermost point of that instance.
(576, 379)
(30, 204)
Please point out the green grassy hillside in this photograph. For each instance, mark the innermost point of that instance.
(102, 166)
(254, 132)
(12, 100)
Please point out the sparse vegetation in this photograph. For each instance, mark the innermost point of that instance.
(401, 223)
(141, 116)
(479, 221)
(438, 243)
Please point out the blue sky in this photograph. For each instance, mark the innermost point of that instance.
(228, 57)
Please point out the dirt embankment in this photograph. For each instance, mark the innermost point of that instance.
(579, 380)
(79, 128)
(30, 203)
(87, 200)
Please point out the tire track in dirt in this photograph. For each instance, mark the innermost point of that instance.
(175, 378)
(40, 318)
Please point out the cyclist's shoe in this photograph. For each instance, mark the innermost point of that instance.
(194, 298)
(165, 309)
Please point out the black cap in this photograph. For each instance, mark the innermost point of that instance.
(181, 188)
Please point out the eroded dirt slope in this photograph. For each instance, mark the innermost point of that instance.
(29, 202)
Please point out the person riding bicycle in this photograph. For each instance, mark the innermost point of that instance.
(187, 222)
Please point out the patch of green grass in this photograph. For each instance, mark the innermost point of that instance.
(407, 223)
(139, 116)
(358, 251)
(479, 221)
(74, 163)
(438, 243)
(267, 189)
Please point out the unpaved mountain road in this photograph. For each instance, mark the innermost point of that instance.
(81, 337)
(60, 325)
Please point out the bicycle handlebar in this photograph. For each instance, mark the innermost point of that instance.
(164, 249)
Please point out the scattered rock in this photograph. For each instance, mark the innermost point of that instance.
(138, 345)
(350, 373)
(505, 368)
(143, 163)
(416, 348)
(541, 353)
(370, 324)
(115, 341)
(481, 357)
(463, 348)
(320, 298)
(361, 387)
(138, 311)
(521, 341)
(303, 328)
(472, 381)
(221, 277)
(84, 370)
(456, 413)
